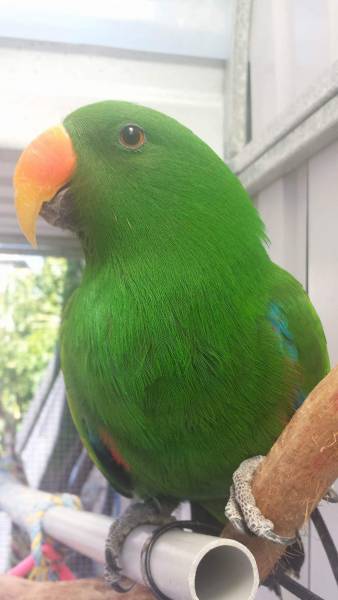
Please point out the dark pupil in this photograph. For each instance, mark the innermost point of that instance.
(131, 135)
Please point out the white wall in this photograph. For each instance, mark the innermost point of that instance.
(292, 43)
(283, 207)
(323, 241)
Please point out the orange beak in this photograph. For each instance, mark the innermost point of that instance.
(43, 168)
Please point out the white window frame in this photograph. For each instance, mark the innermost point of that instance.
(308, 125)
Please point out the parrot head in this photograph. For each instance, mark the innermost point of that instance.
(123, 175)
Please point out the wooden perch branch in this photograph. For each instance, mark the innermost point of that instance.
(297, 472)
(14, 588)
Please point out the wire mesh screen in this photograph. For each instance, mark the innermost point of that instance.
(53, 460)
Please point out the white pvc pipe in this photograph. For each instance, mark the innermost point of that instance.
(194, 566)
(184, 565)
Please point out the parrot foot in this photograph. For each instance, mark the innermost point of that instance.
(241, 509)
(151, 512)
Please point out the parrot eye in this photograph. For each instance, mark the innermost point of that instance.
(132, 136)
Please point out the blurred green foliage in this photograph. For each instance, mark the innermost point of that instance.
(30, 312)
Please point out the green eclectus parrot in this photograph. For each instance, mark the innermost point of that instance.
(185, 349)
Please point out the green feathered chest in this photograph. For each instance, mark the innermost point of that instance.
(170, 385)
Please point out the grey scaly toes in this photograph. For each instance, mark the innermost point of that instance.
(241, 509)
(140, 513)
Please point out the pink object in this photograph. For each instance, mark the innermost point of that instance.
(23, 568)
(58, 565)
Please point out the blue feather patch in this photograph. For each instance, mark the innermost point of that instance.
(287, 343)
(280, 325)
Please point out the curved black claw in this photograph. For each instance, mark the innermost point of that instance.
(113, 574)
(151, 512)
